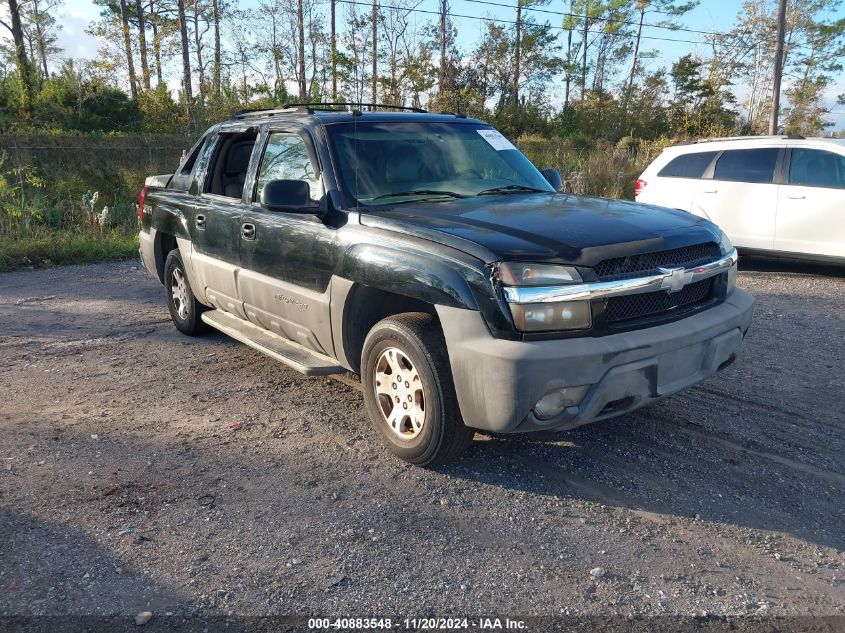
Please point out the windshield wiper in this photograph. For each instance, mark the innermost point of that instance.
(511, 189)
(421, 192)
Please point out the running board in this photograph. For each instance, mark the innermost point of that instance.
(291, 354)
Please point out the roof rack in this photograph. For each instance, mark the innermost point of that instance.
(255, 112)
(748, 138)
(327, 105)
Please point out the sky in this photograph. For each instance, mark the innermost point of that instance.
(709, 15)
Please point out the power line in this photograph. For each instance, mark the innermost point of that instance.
(557, 28)
(579, 16)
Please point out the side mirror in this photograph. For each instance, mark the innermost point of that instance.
(553, 176)
(291, 196)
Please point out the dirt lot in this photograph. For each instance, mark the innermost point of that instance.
(142, 470)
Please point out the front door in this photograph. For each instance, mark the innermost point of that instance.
(287, 259)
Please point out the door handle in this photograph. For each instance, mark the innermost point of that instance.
(248, 231)
(200, 221)
(795, 197)
(710, 191)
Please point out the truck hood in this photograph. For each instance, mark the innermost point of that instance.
(559, 228)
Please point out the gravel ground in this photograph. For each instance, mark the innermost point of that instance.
(143, 470)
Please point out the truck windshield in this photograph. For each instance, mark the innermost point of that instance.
(393, 162)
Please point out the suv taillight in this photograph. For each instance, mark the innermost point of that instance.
(639, 186)
(141, 197)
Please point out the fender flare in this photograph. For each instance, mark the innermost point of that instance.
(170, 220)
(410, 274)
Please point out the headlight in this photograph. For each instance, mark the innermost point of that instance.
(545, 316)
(519, 274)
(725, 244)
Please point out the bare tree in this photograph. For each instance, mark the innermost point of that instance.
(198, 17)
(24, 70)
(186, 62)
(142, 44)
(215, 14)
(127, 44)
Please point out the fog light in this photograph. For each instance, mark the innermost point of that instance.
(556, 401)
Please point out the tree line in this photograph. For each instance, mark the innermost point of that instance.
(579, 69)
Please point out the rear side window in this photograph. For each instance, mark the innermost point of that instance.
(188, 166)
(817, 168)
(688, 165)
(747, 165)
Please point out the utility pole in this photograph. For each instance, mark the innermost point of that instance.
(444, 8)
(374, 91)
(773, 115)
(517, 53)
(334, 51)
(300, 27)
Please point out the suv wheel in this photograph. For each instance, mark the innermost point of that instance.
(409, 393)
(185, 310)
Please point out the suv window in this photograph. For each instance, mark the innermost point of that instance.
(688, 165)
(747, 165)
(817, 168)
(188, 165)
(231, 162)
(286, 157)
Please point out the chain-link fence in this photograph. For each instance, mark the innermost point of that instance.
(50, 182)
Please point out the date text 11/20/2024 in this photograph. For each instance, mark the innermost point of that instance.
(417, 624)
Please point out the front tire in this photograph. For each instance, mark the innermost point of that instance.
(184, 308)
(409, 393)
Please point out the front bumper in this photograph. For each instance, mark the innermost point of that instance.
(498, 381)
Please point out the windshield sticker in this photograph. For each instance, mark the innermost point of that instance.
(496, 140)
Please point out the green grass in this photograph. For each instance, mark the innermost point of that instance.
(55, 248)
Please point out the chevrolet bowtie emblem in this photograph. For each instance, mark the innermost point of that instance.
(675, 278)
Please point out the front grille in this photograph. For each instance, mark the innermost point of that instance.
(647, 263)
(627, 307)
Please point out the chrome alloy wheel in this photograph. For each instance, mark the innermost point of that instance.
(179, 292)
(399, 392)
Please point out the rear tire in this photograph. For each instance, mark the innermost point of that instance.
(409, 393)
(184, 308)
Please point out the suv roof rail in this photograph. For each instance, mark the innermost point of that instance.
(744, 138)
(256, 112)
(327, 105)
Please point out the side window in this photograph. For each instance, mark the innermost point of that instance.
(230, 164)
(817, 168)
(286, 158)
(188, 165)
(688, 165)
(747, 165)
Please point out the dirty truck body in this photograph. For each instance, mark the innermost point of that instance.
(426, 254)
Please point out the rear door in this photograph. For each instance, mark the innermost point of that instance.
(676, 184)
(811, 204)
(742, 195)
(288, 259)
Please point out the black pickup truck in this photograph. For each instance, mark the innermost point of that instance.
(425, 253)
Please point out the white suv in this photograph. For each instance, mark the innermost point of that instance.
(779, 195)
